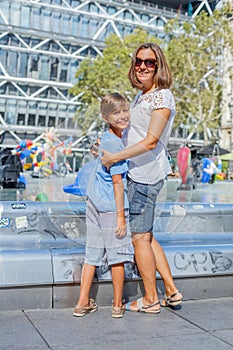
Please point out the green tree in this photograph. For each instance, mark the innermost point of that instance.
(104, 74)
(196, 57)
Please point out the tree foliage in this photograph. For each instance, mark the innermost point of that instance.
(194, 52)
(107, 73)
(196, 58)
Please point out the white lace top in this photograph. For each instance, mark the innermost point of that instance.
(151, 166)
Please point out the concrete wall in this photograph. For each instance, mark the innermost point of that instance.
(42, 246)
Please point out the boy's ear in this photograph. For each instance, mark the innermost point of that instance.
(105, 118)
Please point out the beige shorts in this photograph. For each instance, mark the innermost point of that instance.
(102, 245)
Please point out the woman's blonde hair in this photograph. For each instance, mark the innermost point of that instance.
(162, 76)
(111, 103)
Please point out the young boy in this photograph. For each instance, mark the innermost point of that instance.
(108, 235)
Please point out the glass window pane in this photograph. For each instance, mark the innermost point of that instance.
(73, 69)
(54, 69)
(56, 22)
(34, 67)
(32, 107)
(14, 41)
(34, 42)
(120, 28)
(52, 109)
(10, 117)
(44, 70)
(43, 108)
(61, 122)
(3, 59)
(15, 14)
(10, 112)
(5, 9)
(63, 111)
(12, 62)
(2, 90)
(54, 47)
(70, 123)
(160, 22)
(111, 10)
(2, 114)
(128, 15)
(31, 119)
(25, 16)
(75, 24)
(41, 120)
(32, 89)
(1, 20)
(57, 2)
(4, 40)
(128, 30)
(93, 26)
(23, 64)
(106, 32)
(22, 105)
(94, 8)
(51, 121)
(64, 70)
(45, 46)
(2, 106)
(36, 18)
(21, 119)
(53, 94)
(84, 27)
(145, 18)
(12, 90)
(66, 22)
(75, 3)
(44, 94)
(46, 16)
(161, 35)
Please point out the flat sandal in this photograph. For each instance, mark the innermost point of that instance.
(80, 310)
(168, 302)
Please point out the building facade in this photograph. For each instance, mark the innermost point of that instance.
(227, 105)
(42, 43)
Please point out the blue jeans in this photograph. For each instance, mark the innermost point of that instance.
(142, 201)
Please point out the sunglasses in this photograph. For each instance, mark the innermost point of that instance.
(149, 62)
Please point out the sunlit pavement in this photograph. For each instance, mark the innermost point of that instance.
(205, 324)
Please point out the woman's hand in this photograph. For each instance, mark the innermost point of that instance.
(106, 159)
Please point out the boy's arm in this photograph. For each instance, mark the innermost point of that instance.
(118, 188)
(158, 121)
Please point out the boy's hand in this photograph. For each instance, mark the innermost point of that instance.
(94, 149)
(121, 227)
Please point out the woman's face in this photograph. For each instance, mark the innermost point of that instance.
(145, 66)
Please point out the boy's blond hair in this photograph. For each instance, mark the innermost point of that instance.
(111, 103)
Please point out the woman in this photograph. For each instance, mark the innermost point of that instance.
(152, 114)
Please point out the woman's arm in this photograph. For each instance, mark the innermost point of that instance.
(158, 121)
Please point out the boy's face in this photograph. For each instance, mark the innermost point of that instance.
(119, 119)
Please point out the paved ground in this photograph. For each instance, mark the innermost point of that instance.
(205, 324)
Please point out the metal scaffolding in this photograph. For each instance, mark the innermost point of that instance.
(42, 43)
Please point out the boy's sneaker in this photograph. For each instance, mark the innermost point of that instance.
(118, 311)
